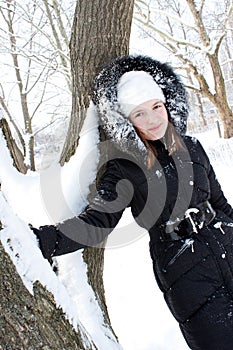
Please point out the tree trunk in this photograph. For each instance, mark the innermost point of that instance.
(226, 116)
(101, 32)
(16, 154)
(220, 97)
(32, 322)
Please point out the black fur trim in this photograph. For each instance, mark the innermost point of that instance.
(173, 89)
(104, 95)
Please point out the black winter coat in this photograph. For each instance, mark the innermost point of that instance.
(198, 284)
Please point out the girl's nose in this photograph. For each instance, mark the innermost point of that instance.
(151, 115)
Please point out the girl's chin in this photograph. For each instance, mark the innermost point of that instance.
(151, 137)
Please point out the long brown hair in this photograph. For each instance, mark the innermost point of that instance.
(173, 143)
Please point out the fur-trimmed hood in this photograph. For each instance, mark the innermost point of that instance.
(116, 125)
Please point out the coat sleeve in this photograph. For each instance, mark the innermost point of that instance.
(217, 197)
(93, 225)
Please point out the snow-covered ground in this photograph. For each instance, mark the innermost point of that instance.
(138, 312)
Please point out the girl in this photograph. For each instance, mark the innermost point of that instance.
(167, 180)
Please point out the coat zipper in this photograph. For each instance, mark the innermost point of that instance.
(187, 244)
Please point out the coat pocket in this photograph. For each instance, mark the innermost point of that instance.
(178, 259)
(193, 289)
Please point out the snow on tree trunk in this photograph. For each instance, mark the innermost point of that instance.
(32, 321)
(101, 32)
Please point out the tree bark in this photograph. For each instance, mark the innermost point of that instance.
(226, 115)
(220, 97)
(101, 32)
(16, 154)
(32, 321)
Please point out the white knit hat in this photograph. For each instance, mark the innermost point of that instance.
(136, 87)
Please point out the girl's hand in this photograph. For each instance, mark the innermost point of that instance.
(47, 238)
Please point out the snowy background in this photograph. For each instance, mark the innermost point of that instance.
(137, 310)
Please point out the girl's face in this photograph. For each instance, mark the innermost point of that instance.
(151, 119)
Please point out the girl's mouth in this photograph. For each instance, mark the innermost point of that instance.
(155, 128)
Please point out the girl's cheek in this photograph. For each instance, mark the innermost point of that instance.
(138, 124)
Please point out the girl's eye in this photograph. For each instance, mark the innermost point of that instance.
(138, 114)
(158, 106)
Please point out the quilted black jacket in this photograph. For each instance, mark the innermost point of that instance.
(155, 196)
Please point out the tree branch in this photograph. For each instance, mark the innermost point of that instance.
(167, 36)
(197, 15)
(2, 102)
(58, 42)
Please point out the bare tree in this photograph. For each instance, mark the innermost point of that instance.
(193, 33)
(36, 61)
(227, 61)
